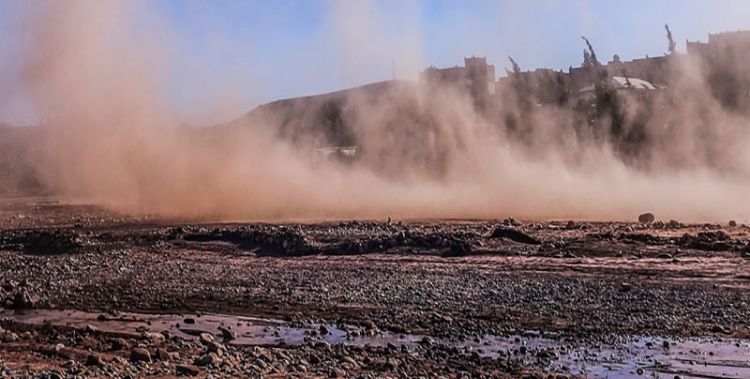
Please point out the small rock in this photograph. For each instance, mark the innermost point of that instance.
(369, 325)
(140, 354)
(207, 359)
(154, 338)
(324, 330)
(120, 344)
(719, 329)
(94, 360)
(205, 338)
(59, 347)
(226, 333)
(23, 300)
(8, 336)
(732, 223)
(162, 355)
(214, 347)
(186, 370)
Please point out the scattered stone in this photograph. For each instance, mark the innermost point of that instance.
(719, 329)
(206, 359)
(205, 338)
(426, 341)
(227, 334)
(162, 355)
(140, 354)
(186, 370)
(7, 336)
(511, 222)
(154, 338)
(674, 224)
(215, 347)
(23, 300)
(94, 360)
(369, 325)
(120, 344)
(732, 223)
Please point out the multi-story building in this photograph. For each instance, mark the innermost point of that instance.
(476, 77)
(724, 62)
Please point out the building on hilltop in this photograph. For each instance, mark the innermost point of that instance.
(724, 59)
(543, 86)
(650, 69)
(476, 77)
(737, 42)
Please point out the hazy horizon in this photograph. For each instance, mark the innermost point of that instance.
(235, 51)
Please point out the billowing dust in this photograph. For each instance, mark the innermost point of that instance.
(97, 72)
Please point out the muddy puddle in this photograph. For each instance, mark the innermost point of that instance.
(622, 357)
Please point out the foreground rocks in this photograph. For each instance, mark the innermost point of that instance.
(36, 354)
(458, 280)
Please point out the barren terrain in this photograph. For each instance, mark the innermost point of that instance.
(92, 293)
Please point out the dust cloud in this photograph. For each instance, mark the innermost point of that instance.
(98, 73)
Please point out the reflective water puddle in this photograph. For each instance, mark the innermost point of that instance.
(625, 357)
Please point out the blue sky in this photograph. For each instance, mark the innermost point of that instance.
(258, 51)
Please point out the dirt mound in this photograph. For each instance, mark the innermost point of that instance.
(44, 242)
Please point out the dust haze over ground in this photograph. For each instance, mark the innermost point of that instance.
(98, 73)
(133, 229)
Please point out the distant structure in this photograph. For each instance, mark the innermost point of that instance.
(651, 69)
(623, 83)
(477, 77)
(737, 42)
(724, 58)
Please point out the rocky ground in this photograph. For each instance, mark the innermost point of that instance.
(444, 280)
